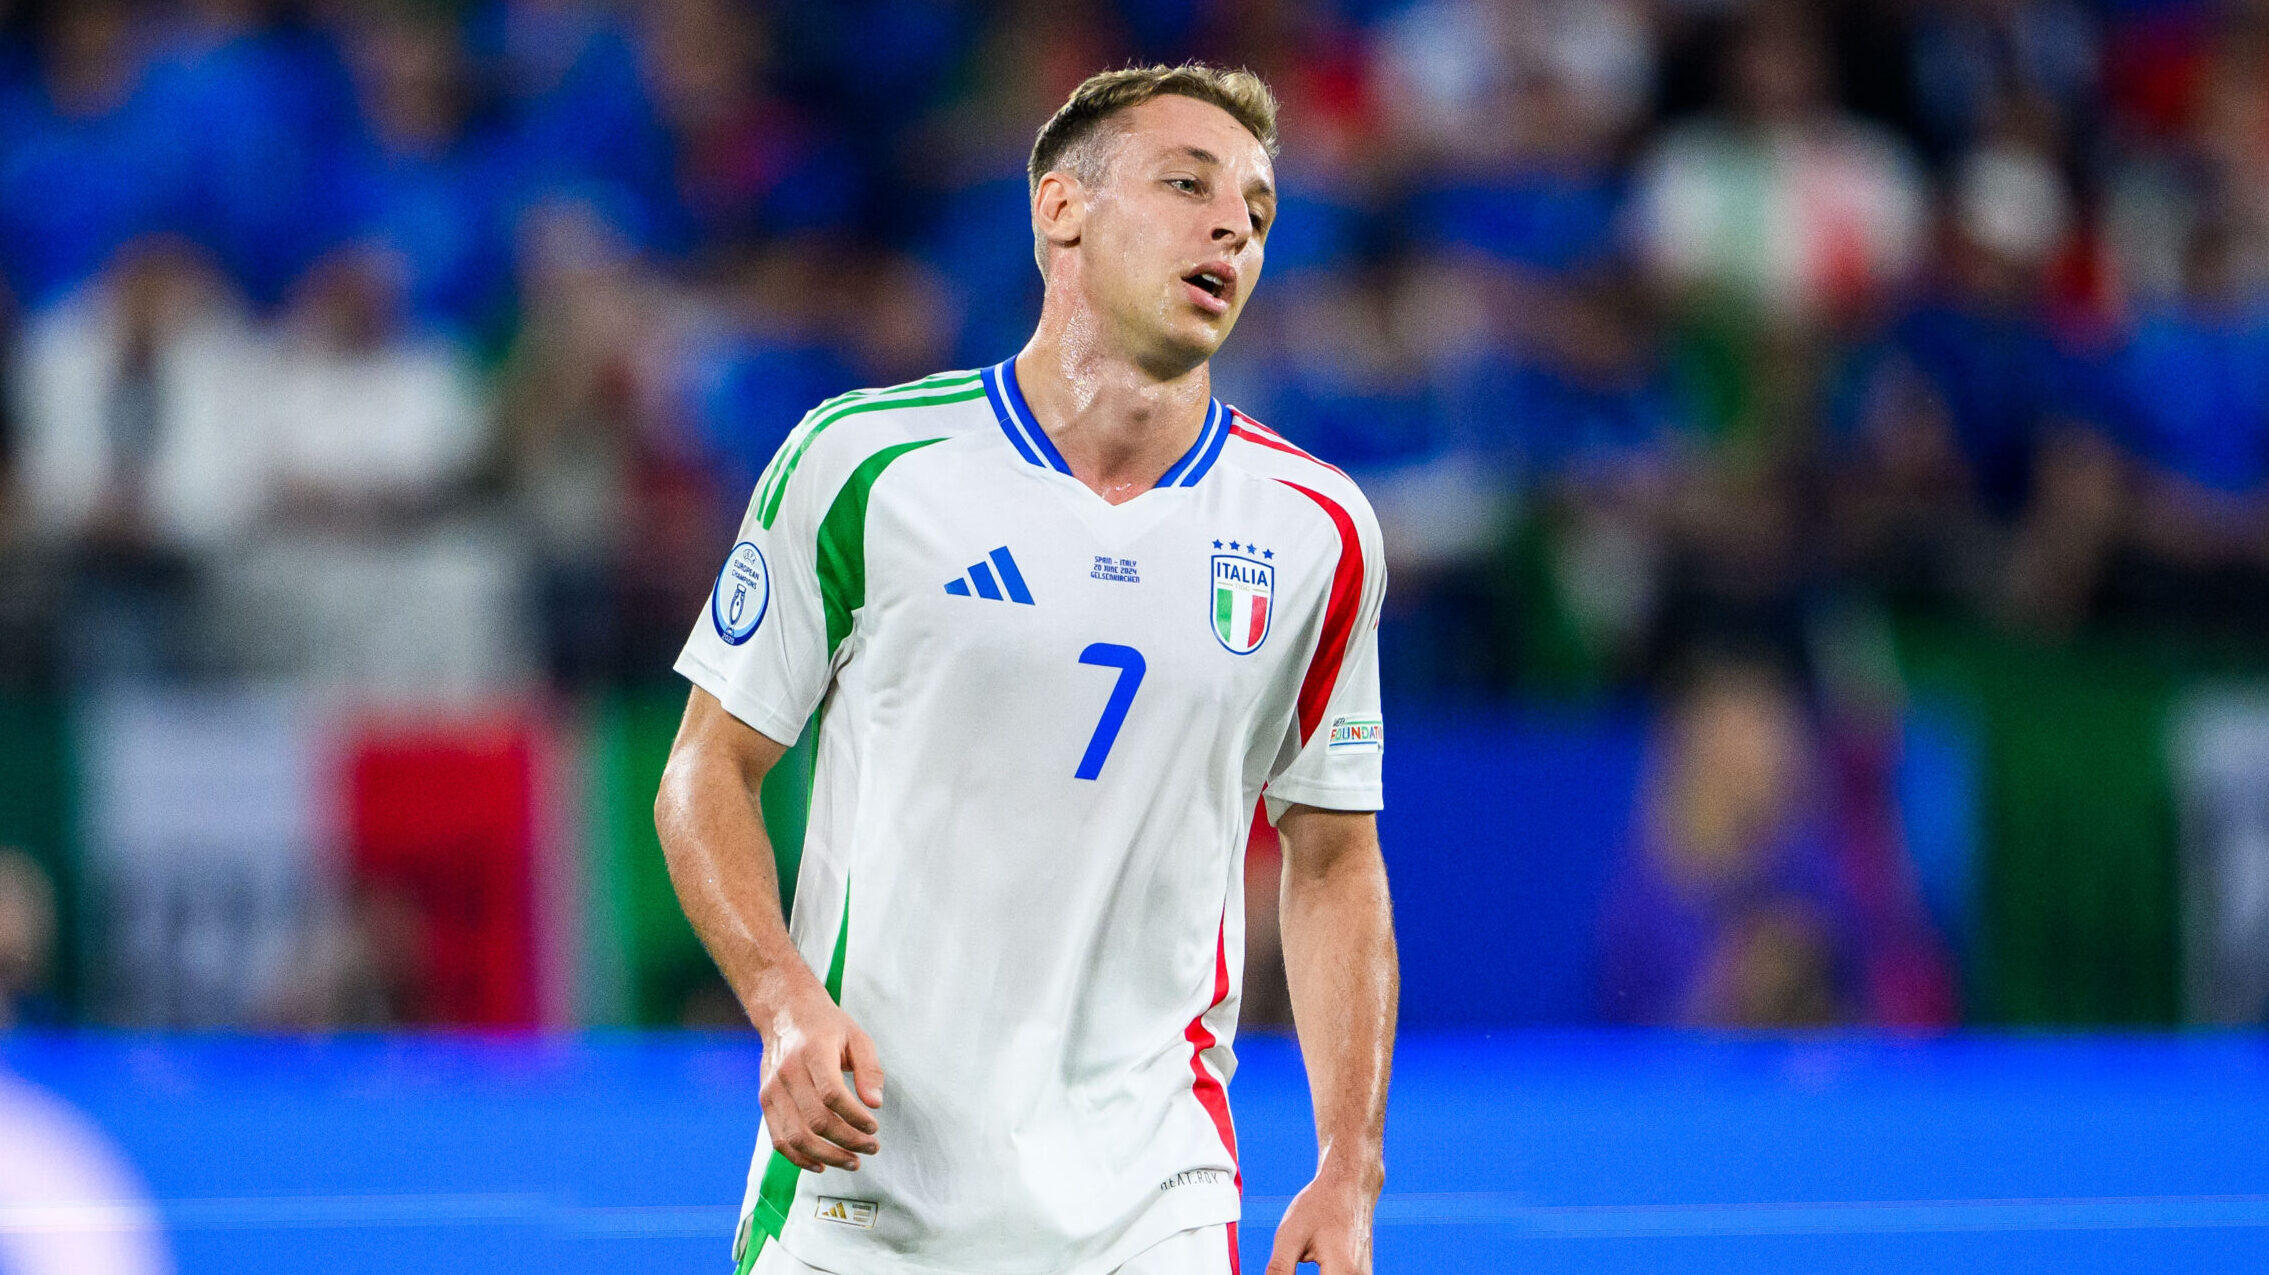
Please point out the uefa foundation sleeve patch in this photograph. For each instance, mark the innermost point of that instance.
(742, 595)
(1357, 735)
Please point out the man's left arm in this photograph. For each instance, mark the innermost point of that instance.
(1339, 957)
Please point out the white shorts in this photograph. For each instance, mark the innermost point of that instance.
(1208, 1250)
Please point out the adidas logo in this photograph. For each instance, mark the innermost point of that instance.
(858, 1213)
(989, 585)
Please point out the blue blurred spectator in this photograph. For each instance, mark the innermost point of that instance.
(86, 163)
(1331, 365)
(2196, 375)
(1540, 220)
(1974, 356)
(578, 109)
(1520, 109)
(423, 182)
(982, 243)
(745, 378)
(745, 162)
(1574, 389)
(2173, 529)
(965, 163)
(1329, 177)
(258, 108)
(831, 58)
(1993, 374)
(1977, 62)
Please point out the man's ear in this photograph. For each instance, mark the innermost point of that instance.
(1059, 209)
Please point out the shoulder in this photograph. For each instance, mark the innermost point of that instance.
(939, 404)
(848, 431)
(1261, 453)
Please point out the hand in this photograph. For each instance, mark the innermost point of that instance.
(1329, 1224)
(814, 1118)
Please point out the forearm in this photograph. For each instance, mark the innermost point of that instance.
(1339, 957)
(720, 863)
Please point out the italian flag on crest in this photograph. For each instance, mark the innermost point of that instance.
(1242, 591)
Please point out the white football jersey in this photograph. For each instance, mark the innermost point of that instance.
(1043, 724)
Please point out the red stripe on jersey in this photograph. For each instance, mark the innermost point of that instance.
(1339, 614)
(1232, 1248)
(1269, 438)
(1209, 1092)
(1265, 429)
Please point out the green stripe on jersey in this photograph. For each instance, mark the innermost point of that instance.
(936, 392)
(843, 542)
(790, 445)
(786, 802)
(777, 1193)
(842, 553)
(747, 1243)
(842, 946)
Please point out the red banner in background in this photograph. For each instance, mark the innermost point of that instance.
(441, 834)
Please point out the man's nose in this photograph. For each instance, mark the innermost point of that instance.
(1233, 224)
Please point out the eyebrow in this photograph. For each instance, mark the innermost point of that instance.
(1257, 186)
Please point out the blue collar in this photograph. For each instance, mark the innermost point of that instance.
(1033, 444)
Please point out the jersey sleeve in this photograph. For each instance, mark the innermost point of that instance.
(1332, 753)
(761, 644)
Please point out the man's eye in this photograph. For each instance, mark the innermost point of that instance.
(1260, 221)
(1183, 183)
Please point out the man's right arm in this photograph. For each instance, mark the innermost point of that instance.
(720, 862)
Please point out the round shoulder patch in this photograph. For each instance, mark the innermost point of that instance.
(742, 595)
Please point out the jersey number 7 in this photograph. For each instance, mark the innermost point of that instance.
(1128, 661)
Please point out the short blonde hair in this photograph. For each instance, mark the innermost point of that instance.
(1076, 140)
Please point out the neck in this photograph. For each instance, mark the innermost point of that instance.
(1119, 425)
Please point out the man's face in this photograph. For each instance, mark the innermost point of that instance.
(1170, 241)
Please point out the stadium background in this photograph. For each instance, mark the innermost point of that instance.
(1823, 450)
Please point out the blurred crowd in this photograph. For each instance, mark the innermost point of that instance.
(421, 344)
(432, 348)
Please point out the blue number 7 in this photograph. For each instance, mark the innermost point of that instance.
(1128, 661)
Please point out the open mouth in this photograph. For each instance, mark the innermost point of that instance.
(1210, 289)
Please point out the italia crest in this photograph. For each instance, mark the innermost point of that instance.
(1244, 596)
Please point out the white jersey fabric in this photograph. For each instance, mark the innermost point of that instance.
(1208, 1250)
(1044, 721)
